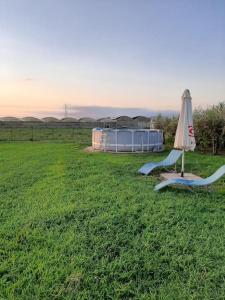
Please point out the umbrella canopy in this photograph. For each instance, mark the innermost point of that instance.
(185, 138)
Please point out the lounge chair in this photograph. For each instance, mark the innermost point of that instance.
(167, 162)
(191, 183)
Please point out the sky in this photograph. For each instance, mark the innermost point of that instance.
(110, 53)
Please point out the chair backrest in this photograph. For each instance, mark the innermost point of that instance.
(215, 176)
(173, 156)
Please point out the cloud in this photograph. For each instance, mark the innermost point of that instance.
(84, 111)
(107, 111)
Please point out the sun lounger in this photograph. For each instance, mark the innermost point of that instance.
(167, 162)
(192, 183)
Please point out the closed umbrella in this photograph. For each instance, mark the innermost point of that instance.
(184, 138)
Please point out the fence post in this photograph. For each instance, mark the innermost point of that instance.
(11, 133)
(32, 133)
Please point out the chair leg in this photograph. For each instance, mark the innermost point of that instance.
(170, 171)
(190, 188)
(210, 189)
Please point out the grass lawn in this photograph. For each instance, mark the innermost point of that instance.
(78, 225)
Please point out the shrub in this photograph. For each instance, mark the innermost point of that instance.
(209, 125)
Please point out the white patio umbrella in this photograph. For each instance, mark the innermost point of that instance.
(184, 138)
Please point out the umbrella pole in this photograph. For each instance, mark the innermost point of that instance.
(182, 168)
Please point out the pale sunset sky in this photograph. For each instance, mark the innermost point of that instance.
(110, 53)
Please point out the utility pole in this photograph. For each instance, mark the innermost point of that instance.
(66, 111)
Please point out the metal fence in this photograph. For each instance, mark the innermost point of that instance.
(45, 134)
(37, 131)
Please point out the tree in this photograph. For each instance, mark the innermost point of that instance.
(210, 127)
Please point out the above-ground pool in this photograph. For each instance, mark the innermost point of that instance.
(127, 140)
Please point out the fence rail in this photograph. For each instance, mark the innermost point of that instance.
(20, 124)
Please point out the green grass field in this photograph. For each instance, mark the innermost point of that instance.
(77, 225)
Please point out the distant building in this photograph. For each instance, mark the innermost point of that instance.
(106, 120)
(10, 119)
(124, 119)
(68, 119)
(142, 122)
(70, 122)
(87, 120)
(50, 119)
(31, 119)
(141, 119)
